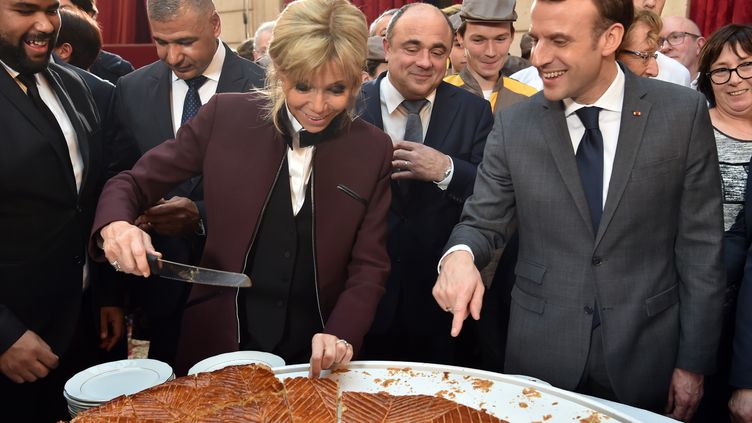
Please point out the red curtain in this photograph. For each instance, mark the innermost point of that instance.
(710, 15)
(123, 22)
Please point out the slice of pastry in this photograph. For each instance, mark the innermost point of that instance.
(359, 407)
(312, 400)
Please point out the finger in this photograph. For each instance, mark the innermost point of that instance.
(680, 412)
(460, 314)
(330, 352)
(49, 359)
(403, 174)
(404, 145)
(26, 375)
(39, 370)
(341, 352)
(317, 351)
(476, 303)
(349, 352)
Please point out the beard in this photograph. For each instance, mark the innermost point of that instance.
(16, 58)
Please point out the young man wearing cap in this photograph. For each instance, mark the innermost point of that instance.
(486, 37)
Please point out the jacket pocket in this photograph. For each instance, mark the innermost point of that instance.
(659, 302)
(352, 194)
(527, 301)
(653, 169)
(531, 271)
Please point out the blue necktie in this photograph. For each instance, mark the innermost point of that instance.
(590, 163)
(192, 100)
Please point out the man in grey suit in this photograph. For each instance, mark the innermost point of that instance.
(150, 105)
(619, 283)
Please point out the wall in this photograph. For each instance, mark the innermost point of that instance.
(231, 12)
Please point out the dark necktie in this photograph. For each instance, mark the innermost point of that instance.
(414, 126)
(33, 92)
(590, 163)
(192, 100)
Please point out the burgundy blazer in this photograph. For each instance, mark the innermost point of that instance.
(240, 153)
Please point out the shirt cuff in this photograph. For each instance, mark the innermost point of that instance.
(444, 183)
(458, 247)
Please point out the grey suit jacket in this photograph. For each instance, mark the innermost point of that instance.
(654, 264)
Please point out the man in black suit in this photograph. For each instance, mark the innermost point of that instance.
(436, 151)
(50, 179)
(150, 105)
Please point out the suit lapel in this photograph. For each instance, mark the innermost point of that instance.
(10, 89)
(231, 77)
(555, 131)
(76, 120)
(159, 101)
(445, 109)
(631, 130)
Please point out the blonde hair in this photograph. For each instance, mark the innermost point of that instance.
(652, 21)
(309, 34)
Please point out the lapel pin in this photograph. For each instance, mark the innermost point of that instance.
(636, 113)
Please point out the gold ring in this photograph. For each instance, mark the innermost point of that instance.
(342, 341)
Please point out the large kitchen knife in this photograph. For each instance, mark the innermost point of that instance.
(194, 274)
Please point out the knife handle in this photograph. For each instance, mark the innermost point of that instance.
(154, 265)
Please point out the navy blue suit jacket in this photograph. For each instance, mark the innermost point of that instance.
(421, 221)
(738, 254)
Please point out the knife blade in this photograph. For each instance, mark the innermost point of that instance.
(194, 274)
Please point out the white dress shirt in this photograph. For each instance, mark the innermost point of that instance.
(299, 165)
(180, 87)
(670, 70)
(394, 118)
(609, 122)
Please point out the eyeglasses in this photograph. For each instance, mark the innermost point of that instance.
(644, 55)
(723, 75)
(676, 38)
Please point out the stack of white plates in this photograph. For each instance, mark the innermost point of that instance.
(99, 384)
(236, 358)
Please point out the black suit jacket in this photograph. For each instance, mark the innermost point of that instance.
(142, 119)
(110, 66)
(738, 254)
(45, 220)
(421, 221)
(101, 89)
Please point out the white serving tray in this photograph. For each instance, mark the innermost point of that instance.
(512, 398)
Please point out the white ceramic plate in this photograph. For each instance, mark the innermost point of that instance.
(512, 398)
(106, 381)
(235, 359)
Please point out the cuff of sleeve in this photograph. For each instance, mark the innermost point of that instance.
(444, 183)
(10, 328)
(458, 247)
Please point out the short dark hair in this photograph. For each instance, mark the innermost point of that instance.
(738, 37)
(610, 12)
(401, 11)
(82, 33)
(88, 6)
(245, 50)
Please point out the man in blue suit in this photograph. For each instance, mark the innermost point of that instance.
(439, 132)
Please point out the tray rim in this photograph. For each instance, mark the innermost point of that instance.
(519, 380)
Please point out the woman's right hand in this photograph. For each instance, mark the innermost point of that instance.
(126, 246)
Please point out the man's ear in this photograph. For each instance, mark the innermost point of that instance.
(612, 38)
(64, 51)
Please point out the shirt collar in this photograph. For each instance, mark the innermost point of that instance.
(394, 98)
(611, 100)
(214, 70)
(12, 72)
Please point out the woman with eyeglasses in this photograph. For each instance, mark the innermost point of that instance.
(725, 77)
(725, 71)
(639, 45)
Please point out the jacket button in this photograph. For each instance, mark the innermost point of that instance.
(79, 209)
(78, 260)
(287, 254)
(597, 261)
(588, 310)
